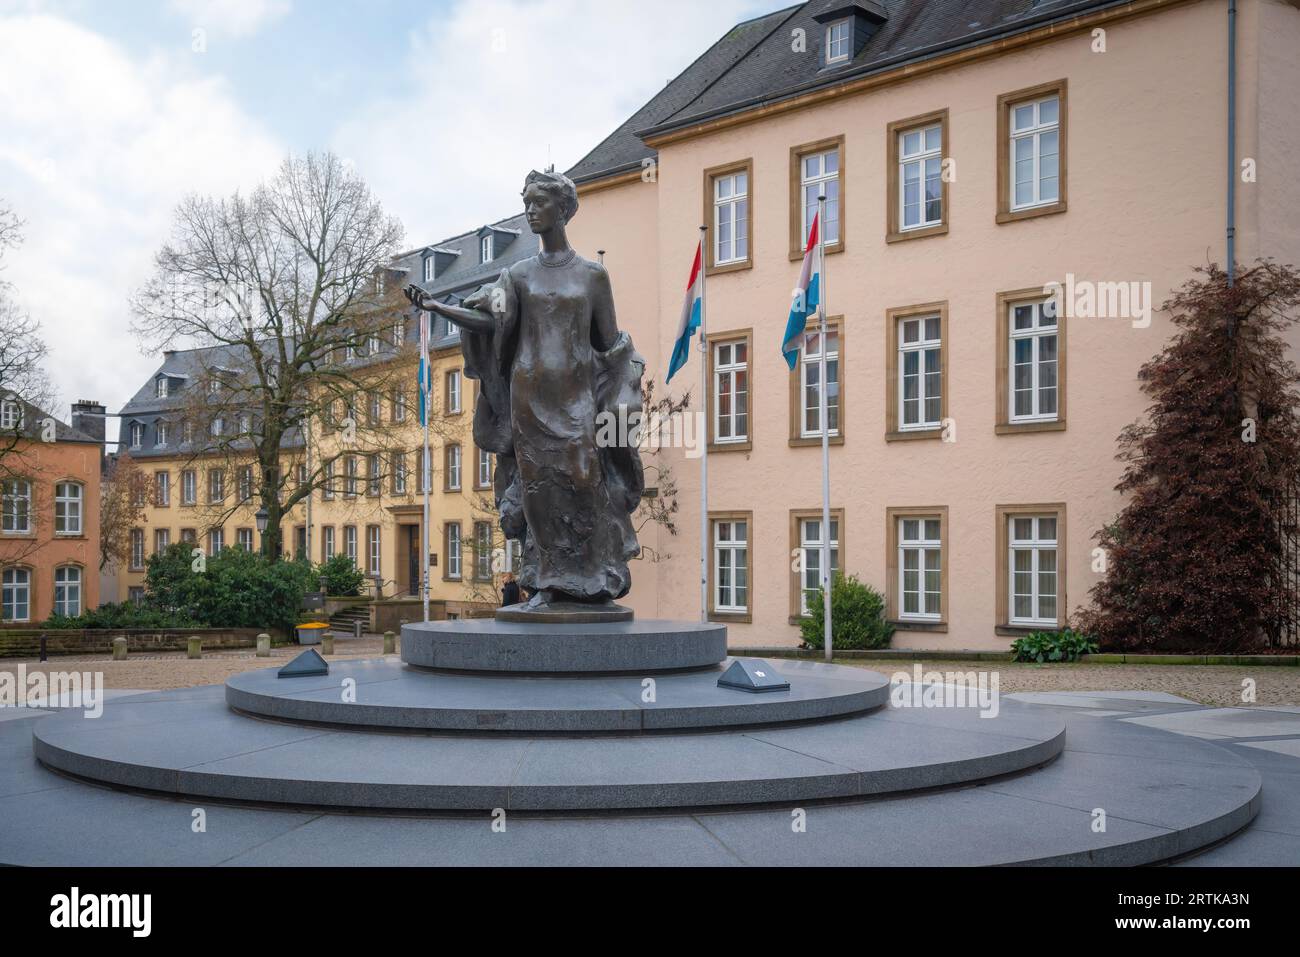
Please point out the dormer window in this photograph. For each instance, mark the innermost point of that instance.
(485, 249)
(214, 386)
(137, 434)
(245, 423)
(160, 388)
(11, 414)
(218, 426)
(430, 269)
(160, 433)
(839, 37)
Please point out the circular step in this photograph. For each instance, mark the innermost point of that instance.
(636, 647)
(384, 693)
(190, 743)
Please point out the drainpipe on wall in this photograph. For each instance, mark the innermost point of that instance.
(1232, 142)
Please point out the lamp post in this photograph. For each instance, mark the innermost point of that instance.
(260, 517)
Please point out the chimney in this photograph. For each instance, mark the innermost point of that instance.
(89, 418)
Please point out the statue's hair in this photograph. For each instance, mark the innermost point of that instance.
(558, 185)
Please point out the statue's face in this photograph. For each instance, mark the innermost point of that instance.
(542, 209)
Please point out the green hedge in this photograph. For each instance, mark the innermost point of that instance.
(857, 616)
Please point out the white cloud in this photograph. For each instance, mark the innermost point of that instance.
(497, 87)
(98, 149)
(232, 18)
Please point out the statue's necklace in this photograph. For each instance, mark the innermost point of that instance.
(559, 262)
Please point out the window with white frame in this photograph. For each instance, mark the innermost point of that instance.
(187, 432)
(514, 555)
(731, 565)
(483, 550)
(485, 249)
(245, 482)
(160, 433)
(327, 487)
(920, 372)
(920, 555)
(820, 175)
(216, 486)
(1035, 152)
(67, 508)
(350, 542)
(731, 218)
(373, 550)
(399, 405)
(453, 550)
(135, 595)
(351, 476)
(453, 467)
(374, 473)
(327, 542)
(839, 39)
(731, 391)
(137, 435)
(189, 487)
(399, 473)
(216, 541)
(376, 408)
(244, 539)
(137, 548)
(453, 391)
(1032, 562)
(17, 599)
(810, 547)
(218, 426)
(484, 468)
(920, 177)
(162, 537)
(162, 488)
(189, 536)
(17, 506)
(161, 390)
(11, 414)
(429, 269)
(1033, 358)
(67, 590)
(810, 384)
(245, 423)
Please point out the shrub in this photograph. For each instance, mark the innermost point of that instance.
(1041, 646)
(236, 589)
(124, 614)
(340, 577)
(857, 616)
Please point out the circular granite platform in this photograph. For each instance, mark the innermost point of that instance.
(637, 647)
(384, 693)
(194, 745)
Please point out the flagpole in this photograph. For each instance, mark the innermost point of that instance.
(826, 429)
(425, 470)
(704, 412)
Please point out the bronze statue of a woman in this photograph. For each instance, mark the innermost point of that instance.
(552, 367)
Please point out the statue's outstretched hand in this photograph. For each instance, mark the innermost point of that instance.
(415, 296)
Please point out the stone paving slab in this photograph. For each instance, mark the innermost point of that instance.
(1226, 722)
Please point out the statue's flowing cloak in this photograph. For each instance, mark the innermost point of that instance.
(579, 539)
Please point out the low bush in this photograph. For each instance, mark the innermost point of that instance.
(124, 614)
(1043, 646)
(857, 617)
(340, 577)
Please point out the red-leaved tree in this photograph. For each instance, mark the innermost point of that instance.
(1194, 559)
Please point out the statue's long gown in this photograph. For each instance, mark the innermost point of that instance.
(543, 386)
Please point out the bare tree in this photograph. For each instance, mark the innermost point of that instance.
(124, 490)
(22, 350)
(290, 286)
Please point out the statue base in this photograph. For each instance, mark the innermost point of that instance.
(565, 613)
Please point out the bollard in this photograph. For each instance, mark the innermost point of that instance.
(119, 649)
(264, 645)
(356, 629)
(390, 643)
(195, 649)
(327, 644)
(44, 655)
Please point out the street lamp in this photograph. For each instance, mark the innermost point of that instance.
(260, 517)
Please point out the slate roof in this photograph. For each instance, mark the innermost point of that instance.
(33, 426)
(753, 63)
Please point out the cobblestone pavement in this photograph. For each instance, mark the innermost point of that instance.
(1220, 686)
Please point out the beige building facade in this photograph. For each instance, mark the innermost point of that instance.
(974, 414)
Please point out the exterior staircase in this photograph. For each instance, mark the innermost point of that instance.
(344, 620)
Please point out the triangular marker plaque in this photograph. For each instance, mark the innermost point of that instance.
(307, 664)
(752, 674)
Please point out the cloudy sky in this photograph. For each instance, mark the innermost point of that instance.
(112, 110)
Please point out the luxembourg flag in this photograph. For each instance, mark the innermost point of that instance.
(690, 320)
(424, 364)
(806, 296)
